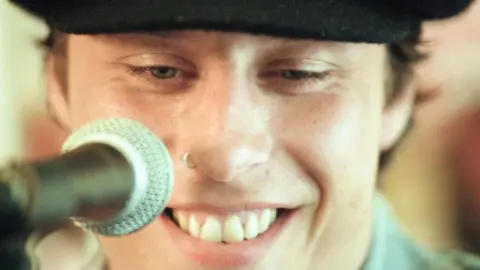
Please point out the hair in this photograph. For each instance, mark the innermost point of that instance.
(402, 58)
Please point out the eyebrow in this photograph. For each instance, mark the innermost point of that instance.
(174, 39)
(277, 40)
(160, 38)
(163, 34)
(180, 35)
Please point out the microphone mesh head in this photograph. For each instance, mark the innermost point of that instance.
(152, 167)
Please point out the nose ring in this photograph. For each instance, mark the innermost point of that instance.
(186, 161)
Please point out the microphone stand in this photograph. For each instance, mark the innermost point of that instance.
(14, 227)
(14, 233)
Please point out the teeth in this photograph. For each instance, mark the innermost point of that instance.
(182, 220)
(194, 227)
(265, 221)
(251, 228)
(273, 216)
(230, 229)
(233, 231)
(211, 230)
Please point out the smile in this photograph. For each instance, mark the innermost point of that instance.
(233, 228)
(229, 239)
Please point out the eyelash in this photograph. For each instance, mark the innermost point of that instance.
(139, 71)
(301, 74)
(288, 81)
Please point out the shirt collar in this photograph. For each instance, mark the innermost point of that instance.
(391, 248)
(378, 246)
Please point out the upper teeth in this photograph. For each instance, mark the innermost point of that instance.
(231, 229)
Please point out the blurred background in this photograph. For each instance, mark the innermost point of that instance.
(433, 182)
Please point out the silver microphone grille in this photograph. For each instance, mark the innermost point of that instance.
(152, 166)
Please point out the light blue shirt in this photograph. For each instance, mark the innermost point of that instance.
(391, 249)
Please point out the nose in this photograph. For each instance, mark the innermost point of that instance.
(232, 135)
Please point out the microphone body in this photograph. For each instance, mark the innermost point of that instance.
(92, 182)
(40, 194)
(114, 178)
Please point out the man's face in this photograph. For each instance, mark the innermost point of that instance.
(284, 135)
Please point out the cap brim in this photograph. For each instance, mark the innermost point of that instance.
(336, 20)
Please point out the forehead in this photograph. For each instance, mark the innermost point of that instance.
(220, 41)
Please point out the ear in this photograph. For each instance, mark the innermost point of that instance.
(57, 84)
(396, 117)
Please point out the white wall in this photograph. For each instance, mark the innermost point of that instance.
(21, 85)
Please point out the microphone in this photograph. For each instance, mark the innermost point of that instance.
(114, 177)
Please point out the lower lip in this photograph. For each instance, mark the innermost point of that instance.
(226, 255)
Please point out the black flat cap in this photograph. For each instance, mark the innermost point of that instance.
(372, 21)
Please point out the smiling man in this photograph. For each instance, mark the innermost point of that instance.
(276, 113)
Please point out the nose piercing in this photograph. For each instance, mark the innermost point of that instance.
(187, 164)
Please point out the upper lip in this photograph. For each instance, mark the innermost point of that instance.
(228, 208)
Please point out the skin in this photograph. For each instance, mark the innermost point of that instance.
(255, 134)
(463, 156)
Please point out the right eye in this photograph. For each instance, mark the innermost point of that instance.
(161, 73)
(162, 79)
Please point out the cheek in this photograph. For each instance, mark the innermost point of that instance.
(336, 139)
(95, 88)
(165, 116)
(96, 91)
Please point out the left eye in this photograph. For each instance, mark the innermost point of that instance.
(164, 72)
(301, 74)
